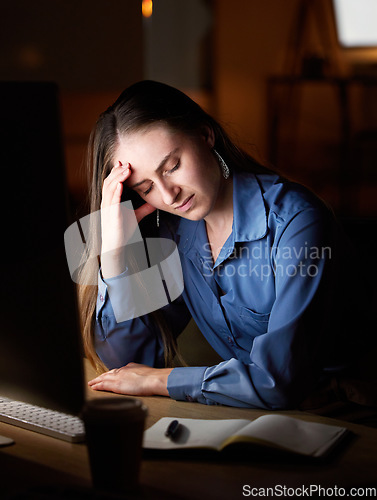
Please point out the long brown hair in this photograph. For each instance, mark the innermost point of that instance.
(138, 107)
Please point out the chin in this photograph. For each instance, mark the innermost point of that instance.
(192, 217)
(195, 215)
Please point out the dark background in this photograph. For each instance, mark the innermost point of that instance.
(223, 54)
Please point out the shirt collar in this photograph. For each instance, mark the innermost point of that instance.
(249, 211)
(249, 214)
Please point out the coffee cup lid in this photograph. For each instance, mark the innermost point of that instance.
(115, 406)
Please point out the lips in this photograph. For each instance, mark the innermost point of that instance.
(186, 204)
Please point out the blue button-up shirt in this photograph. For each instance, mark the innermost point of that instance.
(268, 305)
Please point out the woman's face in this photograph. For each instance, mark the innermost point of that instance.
(172, 171)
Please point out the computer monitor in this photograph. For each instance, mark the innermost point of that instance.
(40, 347)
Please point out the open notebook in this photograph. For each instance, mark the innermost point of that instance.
(273, 431)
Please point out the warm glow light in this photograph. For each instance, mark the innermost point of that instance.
(147, 8)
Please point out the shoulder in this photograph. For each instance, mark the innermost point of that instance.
(287, 198)
(267, 201)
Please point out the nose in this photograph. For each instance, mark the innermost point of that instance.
(169, 193)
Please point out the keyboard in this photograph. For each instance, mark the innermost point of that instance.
(35, 418)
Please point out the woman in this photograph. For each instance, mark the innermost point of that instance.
(260, 258)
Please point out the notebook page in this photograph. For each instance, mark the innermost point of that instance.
(308, 438)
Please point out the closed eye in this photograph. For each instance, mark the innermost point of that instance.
(167, 172)
(148, 190)
(176, 167)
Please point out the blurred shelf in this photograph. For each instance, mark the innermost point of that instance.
(335, 141)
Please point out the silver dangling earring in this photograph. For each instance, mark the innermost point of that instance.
(224, 167)
(158, 217)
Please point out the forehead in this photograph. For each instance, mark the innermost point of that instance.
(151, 142)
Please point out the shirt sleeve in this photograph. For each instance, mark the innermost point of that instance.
(287, 360)
(136, 340)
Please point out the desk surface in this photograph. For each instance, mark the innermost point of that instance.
(36, 460)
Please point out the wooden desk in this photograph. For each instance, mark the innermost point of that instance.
(36, 460)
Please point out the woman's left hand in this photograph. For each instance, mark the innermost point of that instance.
(133, 379)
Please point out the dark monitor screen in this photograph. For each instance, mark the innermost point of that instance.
(40, 348)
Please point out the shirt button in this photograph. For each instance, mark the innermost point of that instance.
(230, 340)
(101, 298)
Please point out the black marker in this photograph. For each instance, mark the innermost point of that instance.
(172, 429)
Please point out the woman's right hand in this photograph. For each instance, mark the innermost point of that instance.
(118, 223)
